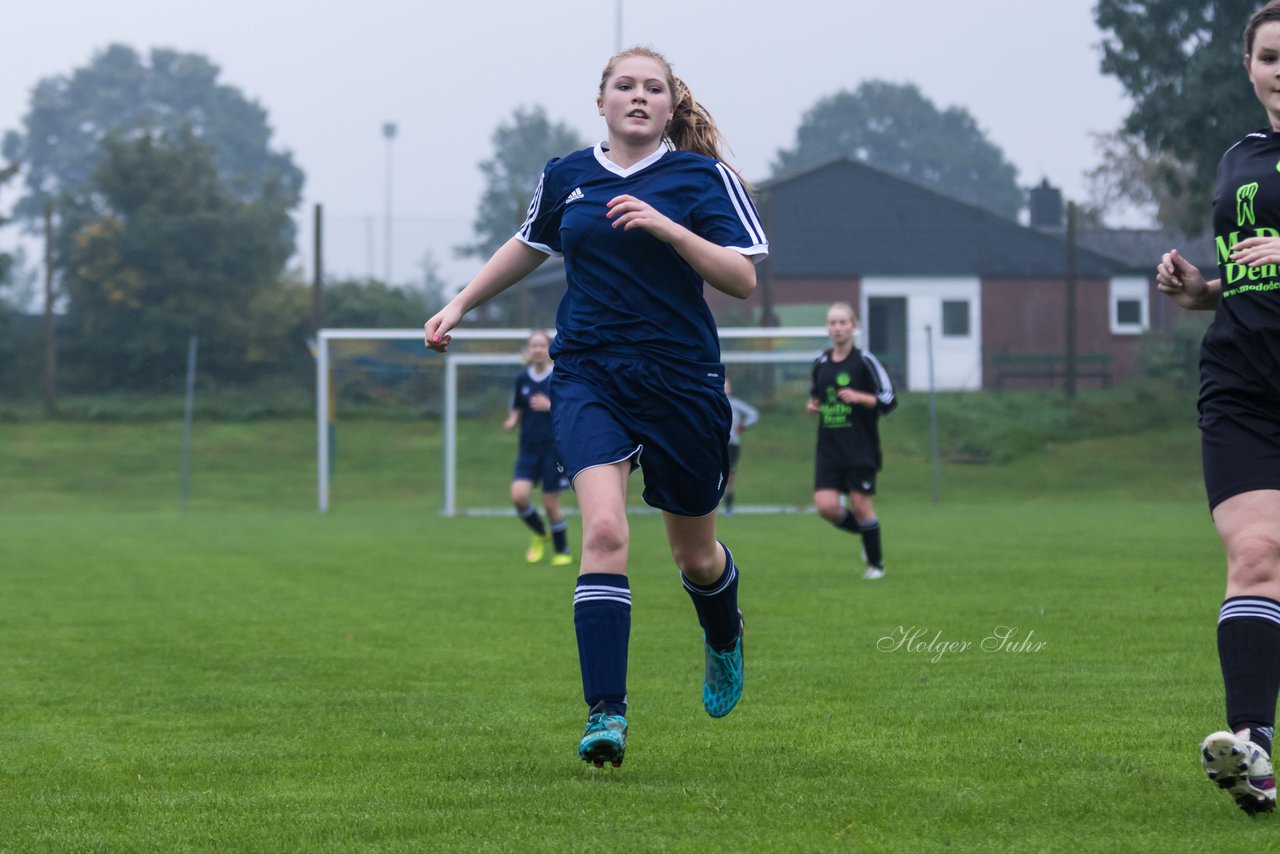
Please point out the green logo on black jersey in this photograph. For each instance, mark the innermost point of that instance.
(1244, 204)
(843, 378)
(1241, 278)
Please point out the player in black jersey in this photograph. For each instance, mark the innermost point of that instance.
(1240, 425)
(850, 392)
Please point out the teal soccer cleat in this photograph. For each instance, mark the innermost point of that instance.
(722, 682)
(605, 739)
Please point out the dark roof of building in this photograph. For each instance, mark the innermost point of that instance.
(1143, 247)
(845, 218)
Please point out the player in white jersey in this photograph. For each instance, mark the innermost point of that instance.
(744, 415)
(643, 220)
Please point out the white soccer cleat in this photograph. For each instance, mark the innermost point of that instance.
(873, 572)
(1242, 768)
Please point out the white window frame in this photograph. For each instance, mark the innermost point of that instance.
(1129, 288)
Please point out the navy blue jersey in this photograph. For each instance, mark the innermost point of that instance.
(535, 427)
(1241, 352)
(627, 290)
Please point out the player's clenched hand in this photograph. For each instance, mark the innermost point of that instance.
(435, 332)
(539, 403)
(628, 212)
(811, 406)
(1182, 281)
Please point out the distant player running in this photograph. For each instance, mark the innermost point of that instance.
(644, 220)
(850, 392)
(537, 461)
(1240, 426)
(744, 416)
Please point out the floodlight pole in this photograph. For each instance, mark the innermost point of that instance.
(450, 479)
(389, 132)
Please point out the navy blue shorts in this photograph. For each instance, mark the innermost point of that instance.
(670, 420)
(540, 465)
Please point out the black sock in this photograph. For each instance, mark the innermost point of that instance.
(1249, 652)
(848, 523)
(530, 517)
(560, 537)
(728, 501)
(871, 543)
(717, 605)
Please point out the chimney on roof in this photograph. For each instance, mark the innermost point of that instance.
(1045, 203)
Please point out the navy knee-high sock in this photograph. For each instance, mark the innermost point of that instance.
(848, 523)
(1249, 652)
(560, 536)
(717, 605)
(531, 518)
(602, 622)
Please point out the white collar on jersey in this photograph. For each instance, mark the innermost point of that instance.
(604, 161)
(539, 376)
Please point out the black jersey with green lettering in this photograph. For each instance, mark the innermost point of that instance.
(848, 434)
(1241, 350)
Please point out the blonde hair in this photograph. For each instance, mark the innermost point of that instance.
(844, 306)
(533, 333)
(691, 127)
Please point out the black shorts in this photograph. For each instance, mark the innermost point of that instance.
(1240, 444)
(843, 478)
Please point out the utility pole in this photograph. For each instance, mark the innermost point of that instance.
(1071, 300)
(317, 282)
(50, 376)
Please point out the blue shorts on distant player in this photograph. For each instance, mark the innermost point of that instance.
(538, 462)
(671, 420)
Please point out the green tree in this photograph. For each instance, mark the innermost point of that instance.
(6, 260)
(1181, 62)
(521, 148)
(1130, 176)
(895, 128)
(370, 304)
(118, 92)
(159, 248)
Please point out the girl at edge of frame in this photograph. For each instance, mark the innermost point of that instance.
(849, 394)
(642, 219)
(536, 461)
(1239, 406)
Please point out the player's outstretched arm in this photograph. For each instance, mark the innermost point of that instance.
(512, 262)
(1182, 282)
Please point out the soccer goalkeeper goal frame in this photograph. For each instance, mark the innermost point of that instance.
(452, 361)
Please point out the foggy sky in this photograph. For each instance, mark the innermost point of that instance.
(447, 73)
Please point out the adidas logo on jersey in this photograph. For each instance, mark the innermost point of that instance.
(574, 196)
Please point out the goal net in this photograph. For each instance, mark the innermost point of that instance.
(457, 401)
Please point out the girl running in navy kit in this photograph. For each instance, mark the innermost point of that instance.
(850, 391)
(1240, 425)
(642, 219)
(537, 461)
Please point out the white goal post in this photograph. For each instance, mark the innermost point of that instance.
(452, 361)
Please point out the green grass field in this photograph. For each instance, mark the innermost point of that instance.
(252, 676)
